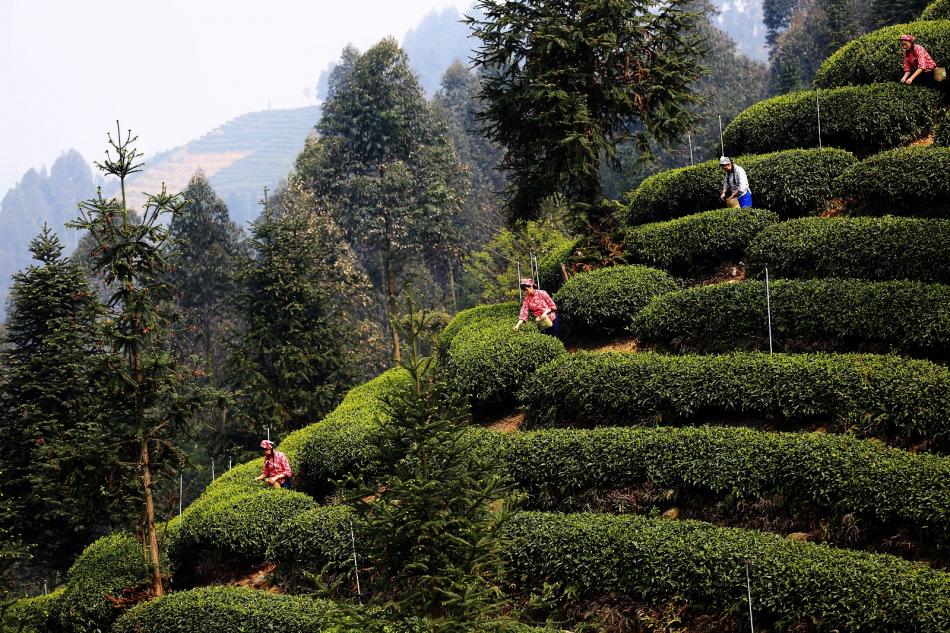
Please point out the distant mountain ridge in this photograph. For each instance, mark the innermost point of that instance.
(239, 158)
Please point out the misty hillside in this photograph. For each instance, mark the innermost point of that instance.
(240, 158)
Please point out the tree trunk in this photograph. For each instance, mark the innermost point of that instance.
(391, 302)
(150, 532)
(455, 301)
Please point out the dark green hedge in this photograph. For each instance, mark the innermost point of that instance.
(549, 267)
(942, 135)
(889, 396)
(696, 243)
(105, 569)
(603, 301)
(791, 582)
(229, 609)
(866, 248)
(338, 445)
(861, 119)
(791, 183)
(904, 181)
(818, 314)
(486, 360)
(240, 526)
(877, 57)
(939, 10)
(39, 614)
(479, 316)
(837, 473)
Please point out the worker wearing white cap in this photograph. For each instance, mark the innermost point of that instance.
(735, 185)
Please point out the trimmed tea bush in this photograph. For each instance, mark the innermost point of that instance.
(549, 267)
(316, 538)
(890, 396)
(339, 445)
(479, 316)
(939, 10)
(791, 582)
(877, 56)
(39, 614)
(486, 360)
(867, 248)
(228, 609)
(697, 243)
(107, 568)
(838, 473)
(603, 301)
(841, 314)
(235, 517)
(861, 119)
(791, 183)
(904, 181)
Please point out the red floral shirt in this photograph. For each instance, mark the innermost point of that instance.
(278, 464)
(536, 303)
(917, 57)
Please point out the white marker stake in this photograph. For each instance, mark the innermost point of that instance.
(356, 568)
(689, 139)
(722, 144)
(181, 488)
(818, 108)
(212, 470)
(748, 587)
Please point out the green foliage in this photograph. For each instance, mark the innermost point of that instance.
(560, 100)
(839, 314)
(221, 609)
(698, 243)
(882, 395)
(428, 523)
(942, 134)
(903, 181)
(111, 567)
(861, 119)
(837, 473)
(866, 248)
(318, 539)
(892, 11)
(237, 519)
(877, 56)
(549, 266)
(389, 176)
(152, 399)
(604, 300)
(790, 183)
(339, 444)
(52, 472)
(487, 361)
(937, 10)
(791, 582)
(289, 360)
(494, 268)
(39, 614)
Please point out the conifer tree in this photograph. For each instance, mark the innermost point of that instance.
(289, 359)
(208, 248)
(432, 518)
(386, 170)
(566, 82)
(53, 477)
(154, 398)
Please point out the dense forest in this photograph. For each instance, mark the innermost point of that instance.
(453, 473)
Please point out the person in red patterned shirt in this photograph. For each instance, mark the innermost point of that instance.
(277, 472)
(541, 305)
(919, 66)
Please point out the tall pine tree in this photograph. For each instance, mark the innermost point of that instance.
(566, 82)
(53, 476)
(208, 247)
(387, 171)
(290, 361)
(154, 397)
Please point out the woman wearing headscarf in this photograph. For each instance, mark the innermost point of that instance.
(540, 304)
(277, 472)
(919, 66)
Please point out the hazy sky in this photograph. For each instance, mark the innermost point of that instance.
(169, 69)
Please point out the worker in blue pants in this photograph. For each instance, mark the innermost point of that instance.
(735, 185)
